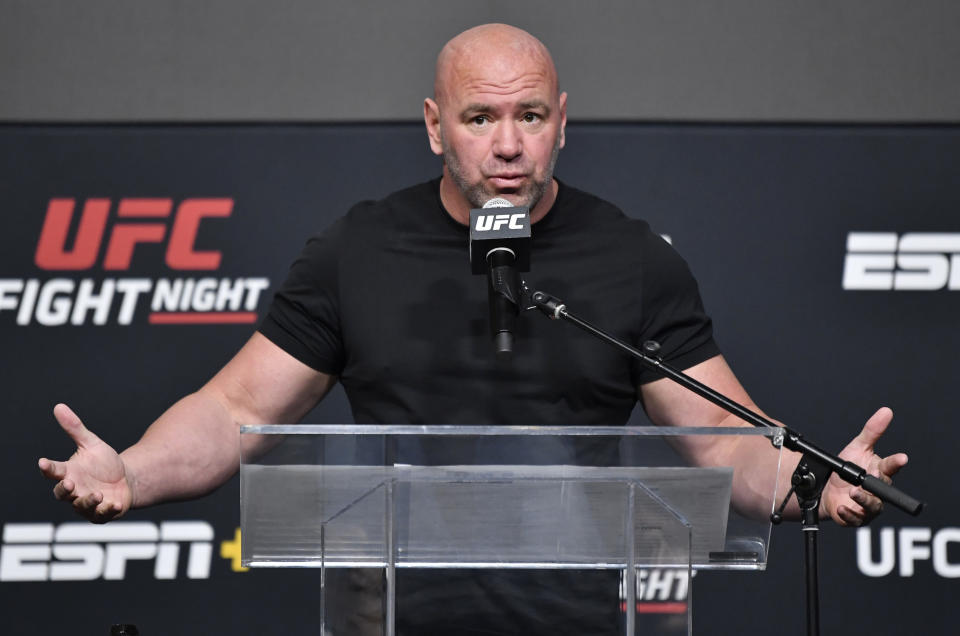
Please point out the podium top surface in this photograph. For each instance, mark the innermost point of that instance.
(505, 430)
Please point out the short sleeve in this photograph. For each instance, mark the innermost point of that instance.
(673, 312)
(304, 318)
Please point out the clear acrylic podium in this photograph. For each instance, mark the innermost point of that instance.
(363, 504)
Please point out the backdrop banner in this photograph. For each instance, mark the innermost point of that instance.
(136, 260)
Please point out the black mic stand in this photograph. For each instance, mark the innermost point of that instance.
(812, 472)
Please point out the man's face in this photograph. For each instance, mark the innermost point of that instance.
(501, 125)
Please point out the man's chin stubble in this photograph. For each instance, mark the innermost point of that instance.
(477, 195)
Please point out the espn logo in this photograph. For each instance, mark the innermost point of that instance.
(913, 261)
(494, 222)
(80, 551)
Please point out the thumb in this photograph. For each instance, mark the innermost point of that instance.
(875, 427)
(73, 427)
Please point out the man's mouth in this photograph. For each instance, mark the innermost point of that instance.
(507, 180)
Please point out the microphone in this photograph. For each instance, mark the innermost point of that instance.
(499, 247)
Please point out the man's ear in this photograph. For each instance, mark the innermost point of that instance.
(431, 117)
(563, 119)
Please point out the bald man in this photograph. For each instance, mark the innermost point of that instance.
(484, 75)
(497, 119)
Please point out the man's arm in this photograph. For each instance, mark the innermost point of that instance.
(193, 447)
(668, 403)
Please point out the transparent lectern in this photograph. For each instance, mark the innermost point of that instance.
(368, 505)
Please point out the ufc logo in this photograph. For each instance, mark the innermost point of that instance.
(130, 229)
(906, 547)
(487, 222)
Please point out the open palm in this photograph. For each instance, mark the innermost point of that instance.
(94, 479)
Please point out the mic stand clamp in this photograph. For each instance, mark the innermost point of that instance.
(809, 479)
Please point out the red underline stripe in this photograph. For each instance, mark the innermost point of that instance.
(658, 608)
(202, 317)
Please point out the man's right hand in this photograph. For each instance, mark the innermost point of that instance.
(94, 479)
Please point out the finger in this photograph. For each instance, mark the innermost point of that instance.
(106, 511)
(848, 517)
(52, 469)
(73, 427)
(63, 491)
(874, 428)
(890, 466)
(88, 502)
(873, 506)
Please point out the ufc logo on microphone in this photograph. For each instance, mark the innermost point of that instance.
(487, 222)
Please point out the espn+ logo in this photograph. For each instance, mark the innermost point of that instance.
(136, 222)
(912, 261)
(80, 551)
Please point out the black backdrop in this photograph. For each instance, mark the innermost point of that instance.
(762, 214)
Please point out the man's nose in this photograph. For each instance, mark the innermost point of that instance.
(507, 143)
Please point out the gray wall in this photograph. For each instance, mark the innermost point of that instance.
(296, 60)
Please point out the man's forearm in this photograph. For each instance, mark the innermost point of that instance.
(757, 464)
(193, 448)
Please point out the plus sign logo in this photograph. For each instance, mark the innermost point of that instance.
(231, 550)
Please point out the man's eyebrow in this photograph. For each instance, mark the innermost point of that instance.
(481, 107)
(535, 104)
(474, 108)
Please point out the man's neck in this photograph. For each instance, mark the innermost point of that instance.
(458, 207)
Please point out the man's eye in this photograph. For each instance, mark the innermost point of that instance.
(479, 120)
(531, 118)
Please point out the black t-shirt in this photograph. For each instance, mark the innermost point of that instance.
(385, 300)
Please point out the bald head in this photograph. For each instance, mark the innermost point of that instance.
(497, 119)
(495, 48)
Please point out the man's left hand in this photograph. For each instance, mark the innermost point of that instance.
(850, 505)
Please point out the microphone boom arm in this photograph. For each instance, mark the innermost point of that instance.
(848, 471)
